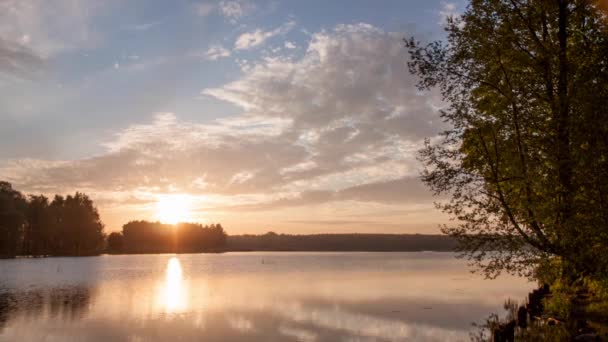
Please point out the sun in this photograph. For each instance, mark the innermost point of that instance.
(173, 209)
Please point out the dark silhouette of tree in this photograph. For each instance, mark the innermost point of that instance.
(147, 237)
(38, 229)
(526, 158)
(115, 242)
(12, 219)
(77, 227)
(156, 237)
(66, 226)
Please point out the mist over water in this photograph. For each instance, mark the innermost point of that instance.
(247, 296)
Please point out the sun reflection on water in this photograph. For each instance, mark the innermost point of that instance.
(174, 291)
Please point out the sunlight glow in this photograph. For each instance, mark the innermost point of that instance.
(173, 209)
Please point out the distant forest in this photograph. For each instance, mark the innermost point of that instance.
(341, 242)
(155, 237)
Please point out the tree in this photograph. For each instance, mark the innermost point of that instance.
(156, 237)
(77, 228)
(66, 226)
(12, 210)
(38, 232)
(525, 161)
(115, 242)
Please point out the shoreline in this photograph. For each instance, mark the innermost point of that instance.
(228, 251)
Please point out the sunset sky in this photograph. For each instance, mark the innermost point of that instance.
(291, 116)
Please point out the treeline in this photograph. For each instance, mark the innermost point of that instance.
(35, 225)
(156, 237)
(341, 242)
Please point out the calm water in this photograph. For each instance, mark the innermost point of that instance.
(247, 297)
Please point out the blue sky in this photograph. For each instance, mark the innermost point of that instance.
(274, 110)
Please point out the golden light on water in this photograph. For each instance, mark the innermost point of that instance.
(173, 209)
(174, 292)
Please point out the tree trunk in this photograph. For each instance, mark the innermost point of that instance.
(564, 159)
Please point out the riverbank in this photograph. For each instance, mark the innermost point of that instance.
(578, 312)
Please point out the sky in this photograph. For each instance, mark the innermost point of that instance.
(288, 116)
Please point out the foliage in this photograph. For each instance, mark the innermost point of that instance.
(544, 332)
(39, 231)
(598, 288)
(559, 304)
(156, 237)
(482, 332)
(12, 207)
(525, 160)
(115, 242)
(65, 226)
(77, 226)
(537, 330)
(549, 271)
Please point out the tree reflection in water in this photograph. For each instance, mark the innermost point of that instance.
(62, 303)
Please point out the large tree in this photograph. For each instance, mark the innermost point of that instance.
(525, 161)
(12, 219)
(39, 227)
(76, 225)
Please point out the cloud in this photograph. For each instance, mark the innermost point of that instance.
(18, 60)
(448, 10)
(50, 29)
(204, 9)
(352, 84)
(342, 123)
(249, 40)
(144, 26)
(235, 10)
(403, 190)
(290, 45)
(216, 52)
(31, 32)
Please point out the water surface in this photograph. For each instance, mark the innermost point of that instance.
(247, 297)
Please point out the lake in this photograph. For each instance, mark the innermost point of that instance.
(280, 296)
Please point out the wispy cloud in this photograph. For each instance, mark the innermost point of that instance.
(18, 60)
(144, 26)
(448, 10)
(216, 52)
(403, 190)
(48, 30)
(204, 9)
(235, 10)
(249, 40)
